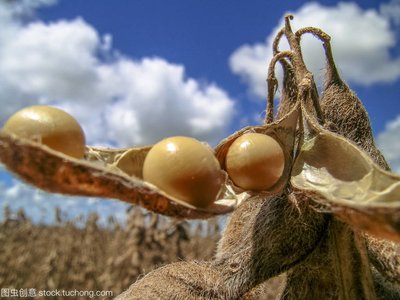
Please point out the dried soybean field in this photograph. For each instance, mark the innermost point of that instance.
(84, 255)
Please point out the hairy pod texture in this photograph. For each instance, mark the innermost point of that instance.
(264, 237)
(325, 272)
(345, 114)
(310, 224)
(289, 89)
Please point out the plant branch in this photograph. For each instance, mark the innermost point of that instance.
(273, 83)
(332, 72)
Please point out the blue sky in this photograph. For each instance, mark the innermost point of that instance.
(202, 35)
(133, 72)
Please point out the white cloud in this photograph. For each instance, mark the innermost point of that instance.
(389, 143)
(160, 101)
(117, 99)
(52, 61)
(391, 11)
(22, 8)
(361, 41)
(250, 62)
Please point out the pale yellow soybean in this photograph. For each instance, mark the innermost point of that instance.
(185, 169)
(50, 126)
(255, 161)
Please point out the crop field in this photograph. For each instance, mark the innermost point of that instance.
(82, 255)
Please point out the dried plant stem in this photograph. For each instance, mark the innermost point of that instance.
(289, 89)
(350, 263)
(294, 43)
(272, 84)
(301, 70)
(332, 75)
(275, 44)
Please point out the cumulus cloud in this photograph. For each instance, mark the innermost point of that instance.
(52, 61)
(22, 8)
(391, 10)
(161, 101)
(361, 41)
(389, 143)
(119, 100)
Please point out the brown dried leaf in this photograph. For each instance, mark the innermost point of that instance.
(99, 174)
(344, 180)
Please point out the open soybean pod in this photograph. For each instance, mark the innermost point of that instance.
(343, 179)
(108, 173)
(282, 131)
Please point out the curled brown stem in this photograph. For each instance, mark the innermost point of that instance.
(273, 83)
(277, 40)
(288, 18)
(323, 36)
(332, 72)
(294, 44)
(300, 67)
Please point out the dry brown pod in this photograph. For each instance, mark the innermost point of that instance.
(115, 164)
(346, 115)
(283, 131)
(99, 175)
(117, 173)
(344, 180)
(343, 110)
(331, 192)
(341, 158)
